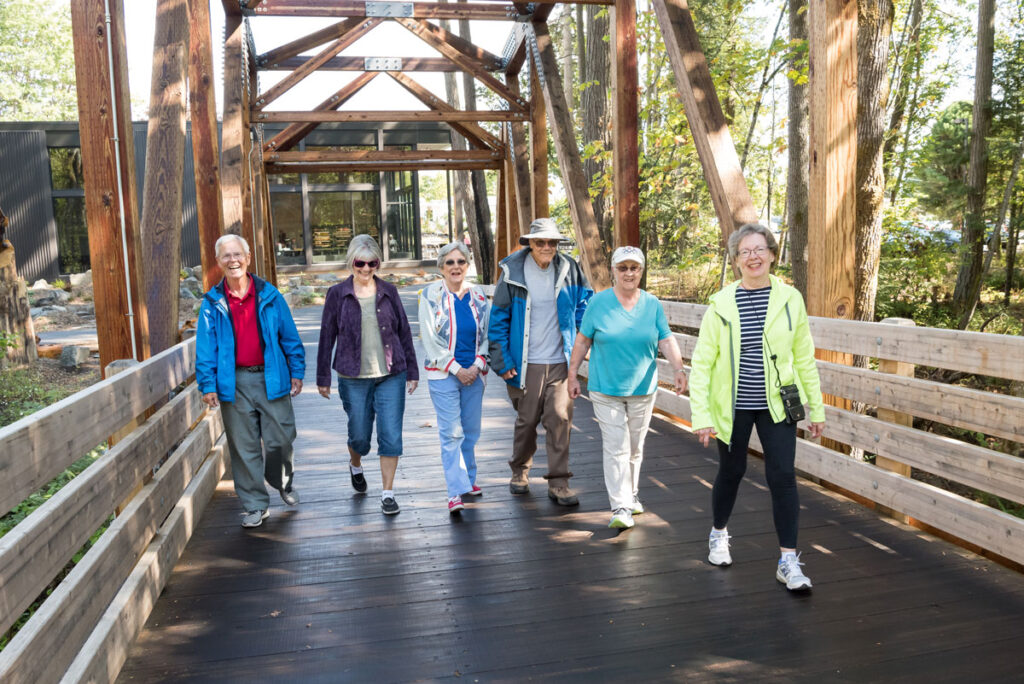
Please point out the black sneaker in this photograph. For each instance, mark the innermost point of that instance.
(389, 506)
(358, 481)
(290, 497)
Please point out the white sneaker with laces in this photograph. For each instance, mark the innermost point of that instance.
(638, 507)
(622, 519)
(790, 574)
(718, 548)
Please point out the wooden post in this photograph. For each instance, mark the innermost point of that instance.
(205, 147)
(108, 161)
(625, 146)
(110, 370)
(905, 370)
(165, 162)
(15, 316)
(502, 223)
(832, 29)
(236, 177)
(710, 130)
(519, 178)
(593, 257)
(539, 148)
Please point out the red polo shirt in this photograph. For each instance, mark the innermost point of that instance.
(247, 333)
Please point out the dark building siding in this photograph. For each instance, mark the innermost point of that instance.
(25, 198)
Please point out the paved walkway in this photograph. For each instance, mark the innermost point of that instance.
(518, 589)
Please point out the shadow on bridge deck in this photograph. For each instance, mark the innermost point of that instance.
(518, 588)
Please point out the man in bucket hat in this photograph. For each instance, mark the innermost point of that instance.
(538, 306)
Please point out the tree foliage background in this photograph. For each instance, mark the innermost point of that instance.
(37, 80)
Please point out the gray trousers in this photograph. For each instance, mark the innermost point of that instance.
(543, 399)
(255, 425)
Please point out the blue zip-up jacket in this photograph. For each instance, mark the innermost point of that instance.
(284, 357)
(510, 311)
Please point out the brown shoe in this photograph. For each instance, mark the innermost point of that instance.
(563, 496)
(519, 484)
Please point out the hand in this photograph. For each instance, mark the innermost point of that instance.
(411, 385)
(325, 392)
(296, 386)
(573, 385)
(681, 382)
(705, 435)
(816, 429)
(210, 399)
(467, 376)
(511, 373)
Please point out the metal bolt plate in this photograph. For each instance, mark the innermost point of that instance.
(389, 9)
(382, 64)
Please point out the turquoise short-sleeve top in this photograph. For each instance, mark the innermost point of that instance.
(623, 357)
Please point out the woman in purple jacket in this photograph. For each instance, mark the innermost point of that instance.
(365, 326)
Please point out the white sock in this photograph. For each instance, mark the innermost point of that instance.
(387, 494)
(724, 532)
(355, 470)
(784, 554)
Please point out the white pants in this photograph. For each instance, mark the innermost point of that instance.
(624, 422)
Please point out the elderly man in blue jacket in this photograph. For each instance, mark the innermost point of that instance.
(250, 361)
(538, 306)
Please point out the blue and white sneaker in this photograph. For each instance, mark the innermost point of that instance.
(790, 574)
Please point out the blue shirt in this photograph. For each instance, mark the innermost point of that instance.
(465, 327)
(623, 357)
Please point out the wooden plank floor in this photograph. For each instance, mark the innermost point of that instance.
(519, 589)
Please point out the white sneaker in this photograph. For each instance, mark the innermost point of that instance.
(718, 548)
(622, 519)
(638, 507)
(790, 574)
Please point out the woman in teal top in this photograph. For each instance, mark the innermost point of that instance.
(623, 328)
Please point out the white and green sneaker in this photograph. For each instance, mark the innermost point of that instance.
(622, 519)
(638, 507)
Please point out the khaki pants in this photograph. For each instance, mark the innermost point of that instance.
(545, 400)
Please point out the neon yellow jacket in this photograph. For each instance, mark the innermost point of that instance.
(716, 359)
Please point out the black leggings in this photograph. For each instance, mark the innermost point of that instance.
(778, 441)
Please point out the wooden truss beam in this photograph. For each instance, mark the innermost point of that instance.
(480, 57)
(343, 63)
(714, 144)
(427, 33)
(519, 170)
(485, 11)
(311, 156)
(539, 147)
(357, 31)
(205, 147)
(625, 132)
(108, 161)
(594, 258)
(343, 167)
(472, 132)
(296, 47)
(297, 131)
(236, 188)
(322, 116)
(518, 39)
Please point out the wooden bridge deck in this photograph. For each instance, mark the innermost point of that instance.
(519, 589)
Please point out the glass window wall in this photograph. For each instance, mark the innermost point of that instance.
(337, 216)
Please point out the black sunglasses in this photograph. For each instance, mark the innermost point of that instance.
(452, 262)
(359, 263)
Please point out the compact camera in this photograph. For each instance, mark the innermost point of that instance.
(791, 403)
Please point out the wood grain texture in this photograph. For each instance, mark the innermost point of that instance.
(484, 11)
(625, 132)
(38, 447)
(111, 199)
(472, 132)
(276, 57)
(235, 171)
(708, 124)
(540, 193)
(321, 116)
(519, 168)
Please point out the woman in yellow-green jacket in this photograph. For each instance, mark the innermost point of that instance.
(754, 367)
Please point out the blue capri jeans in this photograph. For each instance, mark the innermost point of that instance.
(366, 399)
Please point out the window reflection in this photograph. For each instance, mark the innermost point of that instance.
(286, 209)
(337, 216)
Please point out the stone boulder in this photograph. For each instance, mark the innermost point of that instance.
(193, 285)
(186, 293)
(53, 298)
(73, 356)
(78, 280)
(40, 284)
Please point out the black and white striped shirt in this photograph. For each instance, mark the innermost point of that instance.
(753, 306)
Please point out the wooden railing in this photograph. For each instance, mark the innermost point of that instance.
(895, 441)
(82, 630)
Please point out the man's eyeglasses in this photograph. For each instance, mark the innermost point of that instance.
(757, 251)
(233, 256)
(629, 268)
(544, 243)
(453, 262)
(359, 263)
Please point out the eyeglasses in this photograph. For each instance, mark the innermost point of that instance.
(629, 268)
(544, 243)
(359, 263)
(757, 251)
(233, 256)
(452, 262)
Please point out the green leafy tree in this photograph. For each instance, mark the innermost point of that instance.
(37, 66)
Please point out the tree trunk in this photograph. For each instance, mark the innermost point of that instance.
(968, 281)
(594, 106)
(1011, 250)
(873, 31)
(17, 336)
(567, 67)
(483, 239)
(907, 64)
(797, 177)
(997, 231)
(464, 220)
